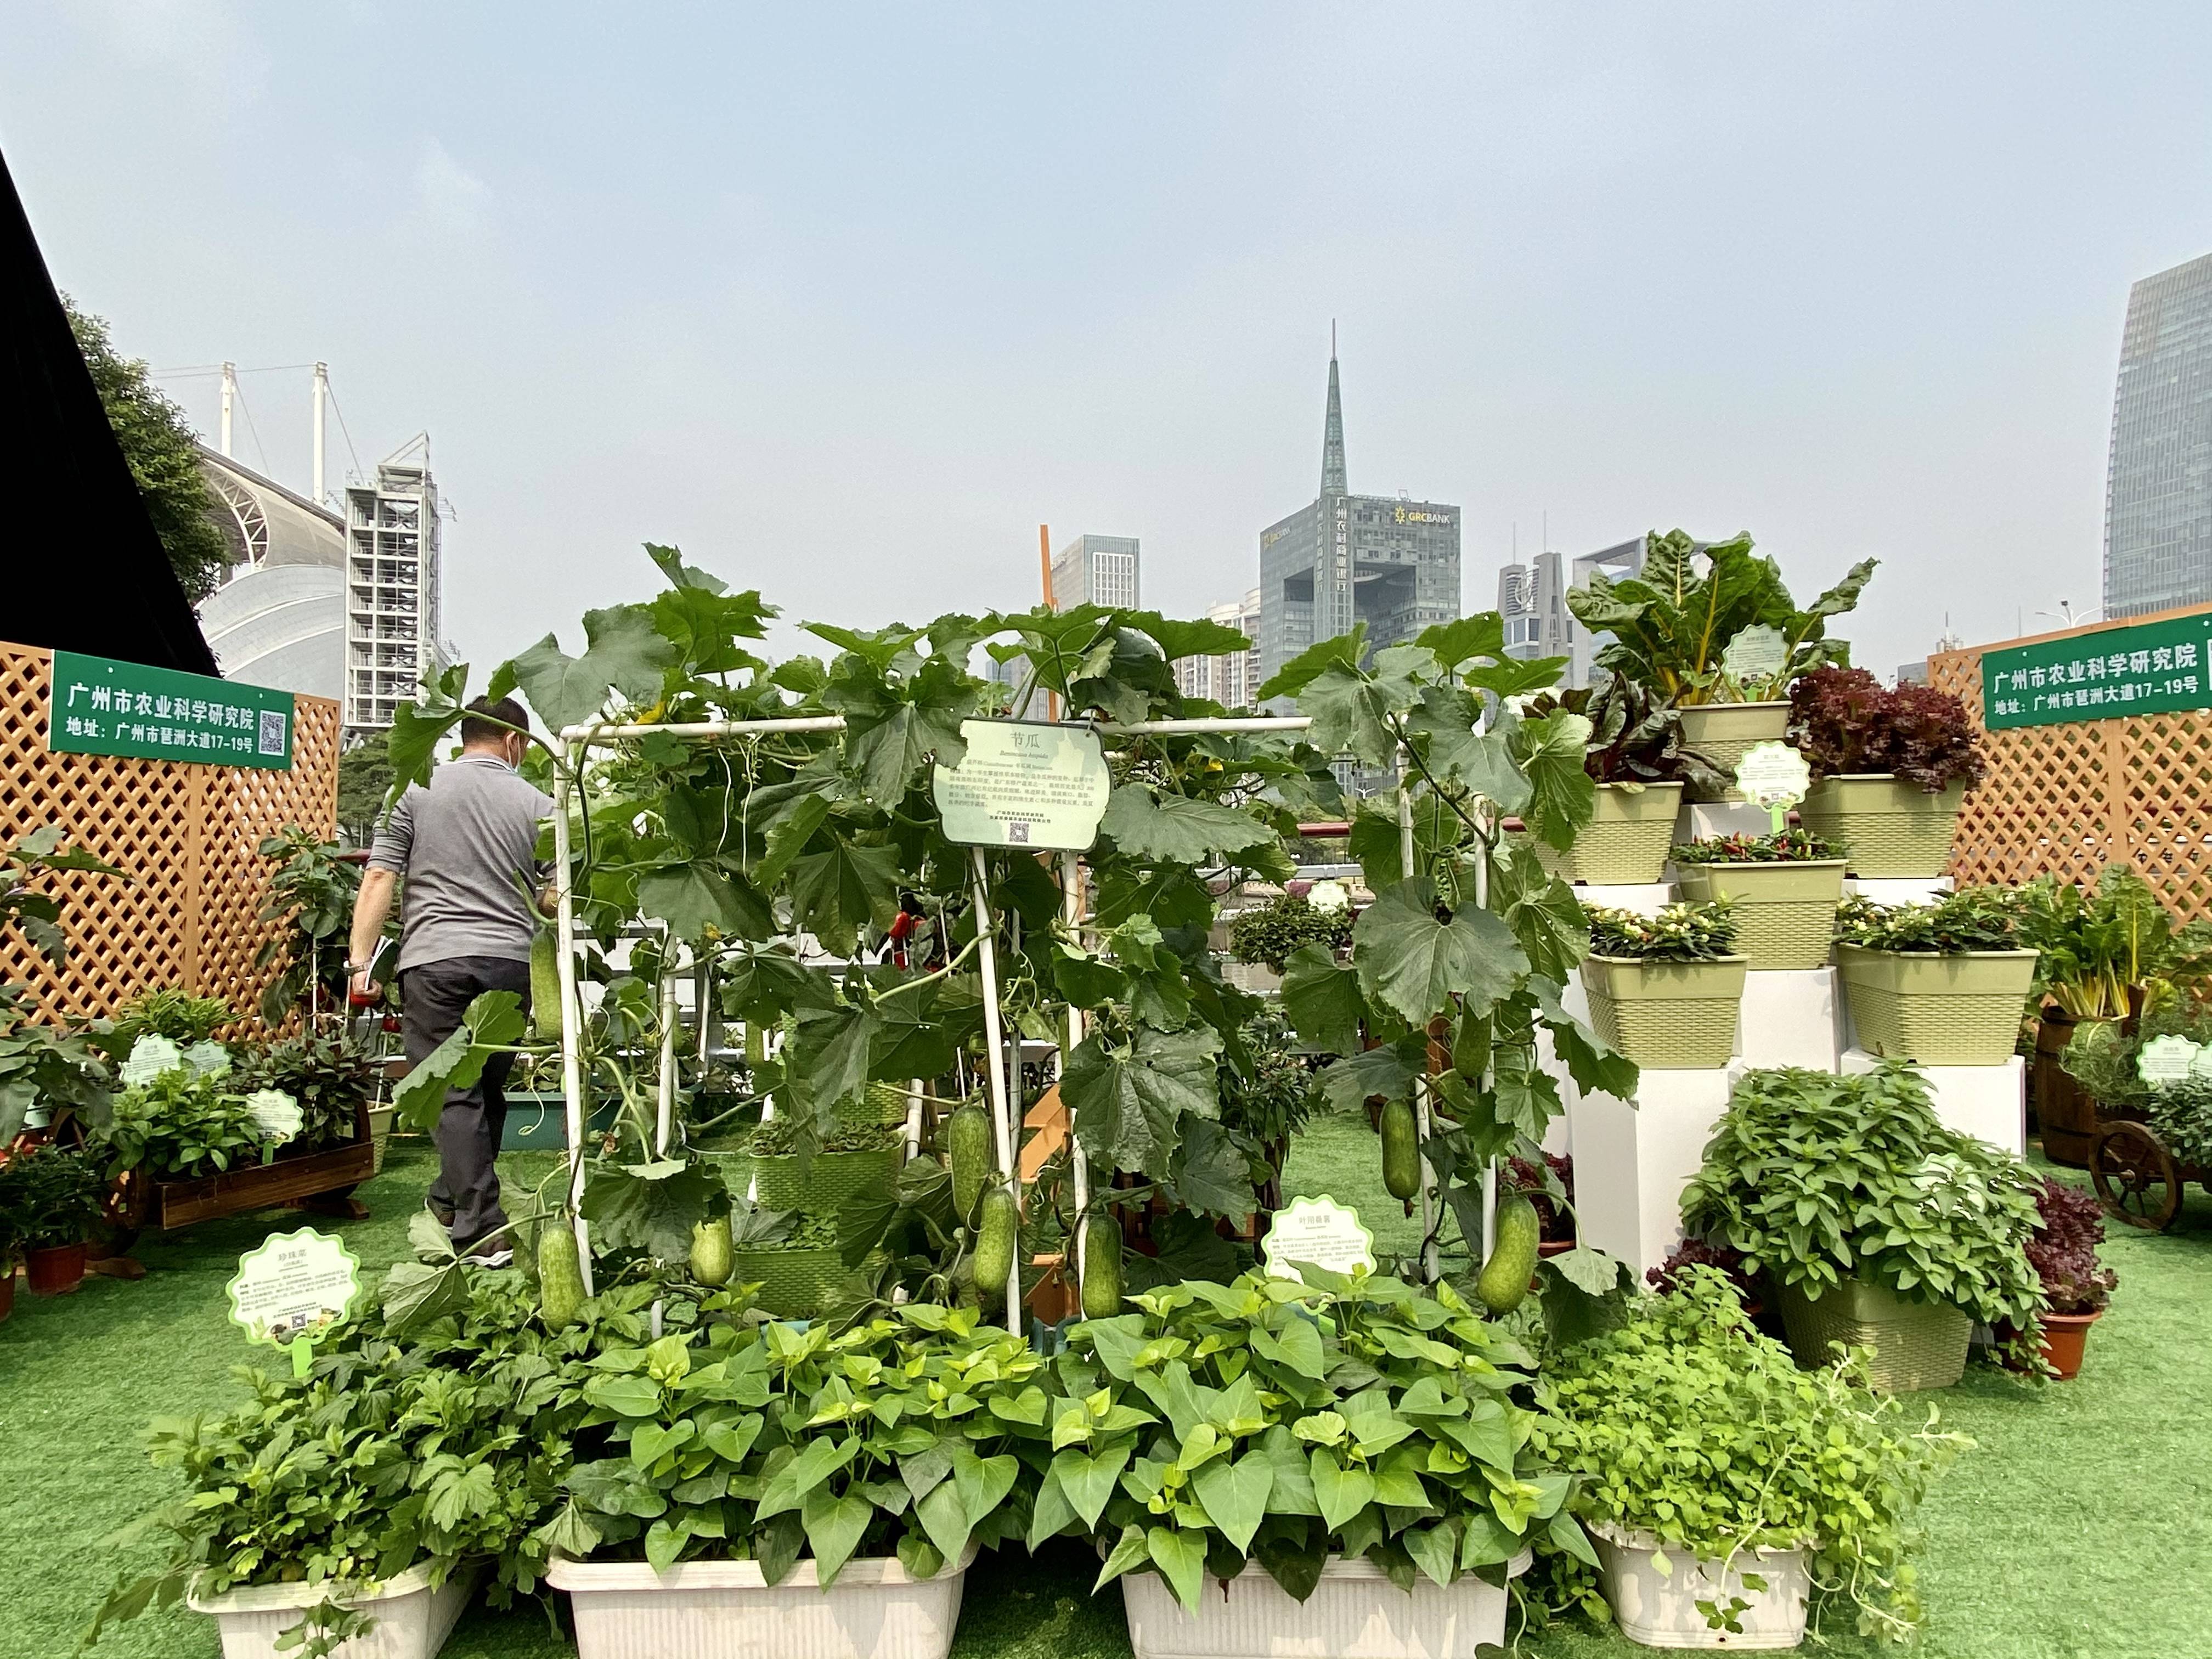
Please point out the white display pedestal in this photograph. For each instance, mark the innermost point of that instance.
(1790, 1018)
(1898, 890)
(1646, 899)
(1632, 1162)
(1700, 820)
(1987, 1102)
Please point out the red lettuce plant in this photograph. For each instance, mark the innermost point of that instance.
(1846, 721)
(1697, 1253)
(1522, 1176)
(2063, 1250)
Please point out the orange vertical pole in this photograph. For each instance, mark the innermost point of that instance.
(1044, 569)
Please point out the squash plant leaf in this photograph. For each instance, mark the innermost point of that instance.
(1323, 999)
(1413, 963)
(1351, 712)
(1130, 1102)
(696, 894)
(1344, 651)
(1541, 908)
(1562, 798)
(1457, 753)
(493, 1021)
(625, 654)
(1163, 829)
(833, 894)
(891, 731)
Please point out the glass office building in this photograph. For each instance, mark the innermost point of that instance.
(2158, 491)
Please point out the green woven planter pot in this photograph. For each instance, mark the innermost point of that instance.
(1915, 1346)
(1960, 1009)
(833, 1177)
(1624, 844)
(791, 1281)
(1721, 731)
(880, 1102)
(1667, 1016)
(1785, 914)
(1886, 828)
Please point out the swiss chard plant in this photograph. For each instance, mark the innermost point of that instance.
(1686, 1424)
(1672, 623)
(1635, 738)
(2108, 950)
(1276, 1421)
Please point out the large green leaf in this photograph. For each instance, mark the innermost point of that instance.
(1541, 908)
(625, 654)
(1323, 999)
(1388, 1073)
(1593, 1063)
(1236, 1495)
(1210, 1172)
(1163, 829)
(696, 894)
(1180, 1558)
(1089, 1481)
(651, 1207)
(1562, 798)
(419, 726)
(1177, 639)
(1482, 634)
(1342, 1492)
(493, 1020)
(834, 893)
(890, 732)
(1344, 651)
(834, 1528)
(1457, 753)
(1130, 1102)
(1351, 712)
(1413, 963)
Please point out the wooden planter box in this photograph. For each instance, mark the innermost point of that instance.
(329, 1174)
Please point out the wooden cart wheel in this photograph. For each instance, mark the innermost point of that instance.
(2134, 1175)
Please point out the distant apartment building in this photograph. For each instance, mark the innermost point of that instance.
(391, 590)
(1231, 679)
(1389, 561)
(2158, 489)
(1096, 570)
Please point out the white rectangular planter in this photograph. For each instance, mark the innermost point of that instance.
(1632, 1159)
(1988, 1102)
(1790, 1018)
(1355, 1612)
(1660, 1610)
(726, 1610)
(412, 1620)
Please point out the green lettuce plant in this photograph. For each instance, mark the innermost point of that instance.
(1816, 1178)
(1686, 1424)
(1672, 624)
(1274, 1421)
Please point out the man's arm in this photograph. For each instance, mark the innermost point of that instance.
(371, 906)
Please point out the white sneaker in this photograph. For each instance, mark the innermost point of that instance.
(500, 1256)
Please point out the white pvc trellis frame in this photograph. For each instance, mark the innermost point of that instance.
(575, 740)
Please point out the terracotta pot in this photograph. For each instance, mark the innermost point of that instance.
(54, 1269)
(7, 1291)
(2063, 1336)
(1552, 1247)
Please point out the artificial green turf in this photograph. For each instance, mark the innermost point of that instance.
(2081, 1528)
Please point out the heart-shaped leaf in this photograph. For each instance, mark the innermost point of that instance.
(647, 1441)
(1342, 1492)
(1089, 1481)
(1180, 1558)
(1236, 1496)
(834, 1525)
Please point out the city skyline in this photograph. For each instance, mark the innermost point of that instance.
(2158, 500)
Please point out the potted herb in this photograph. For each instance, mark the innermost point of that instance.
(1714, 631)
(1890, 769)
(54, 1196)
(1637, 758)
(1873, 1224)
(1729, 1492)
(1267, 1464)
(1943, 983)
(1264, 935)
(2062, 1250)
(1785, 889)
(819, 1490)
(1665, 990)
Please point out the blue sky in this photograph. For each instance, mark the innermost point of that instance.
(847, 299)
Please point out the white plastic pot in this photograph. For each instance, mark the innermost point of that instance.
(412, 1620)
(1661, 1610)
(726, 1610)
(1355, 1612)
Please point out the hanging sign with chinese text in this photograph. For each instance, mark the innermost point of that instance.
(1024, 784)
(292, 1289)
(100, 707)
(1320, 1232)
(2154, 668)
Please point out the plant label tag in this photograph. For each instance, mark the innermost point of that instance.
(1320, 1232)
(1776, 777)
(1757, 653)
(292, 1288)
(2167, 1059)
(1024, 784)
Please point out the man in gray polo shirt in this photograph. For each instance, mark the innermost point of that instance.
(467, 846)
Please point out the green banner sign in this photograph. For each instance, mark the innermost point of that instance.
(2155, 668)
(105, 708)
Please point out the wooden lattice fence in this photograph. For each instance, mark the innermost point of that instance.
(185, 836)
(2073, 798)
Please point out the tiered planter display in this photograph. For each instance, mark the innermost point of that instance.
(1624, 844)
(1661, 1610)
(1668, 1015)
(1786, 912)
(1956, 1010)
(1723, 731)
(1915, 1346)
(1355, 1612)
(727, 1610)
(1887, 830)
(412, 1620)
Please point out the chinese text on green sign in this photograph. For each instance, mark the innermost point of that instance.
(105, 708)
(2156, 668)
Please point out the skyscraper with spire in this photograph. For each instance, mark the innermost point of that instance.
(1388, 561)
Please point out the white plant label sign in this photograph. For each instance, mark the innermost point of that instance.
(1757, 653)
(2167, 1059)
(1024, 784)
(292, 1288)
(1776, 777)
(1320, 1232)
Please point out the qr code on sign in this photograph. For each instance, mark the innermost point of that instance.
(272, 732)
(1017, 832)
